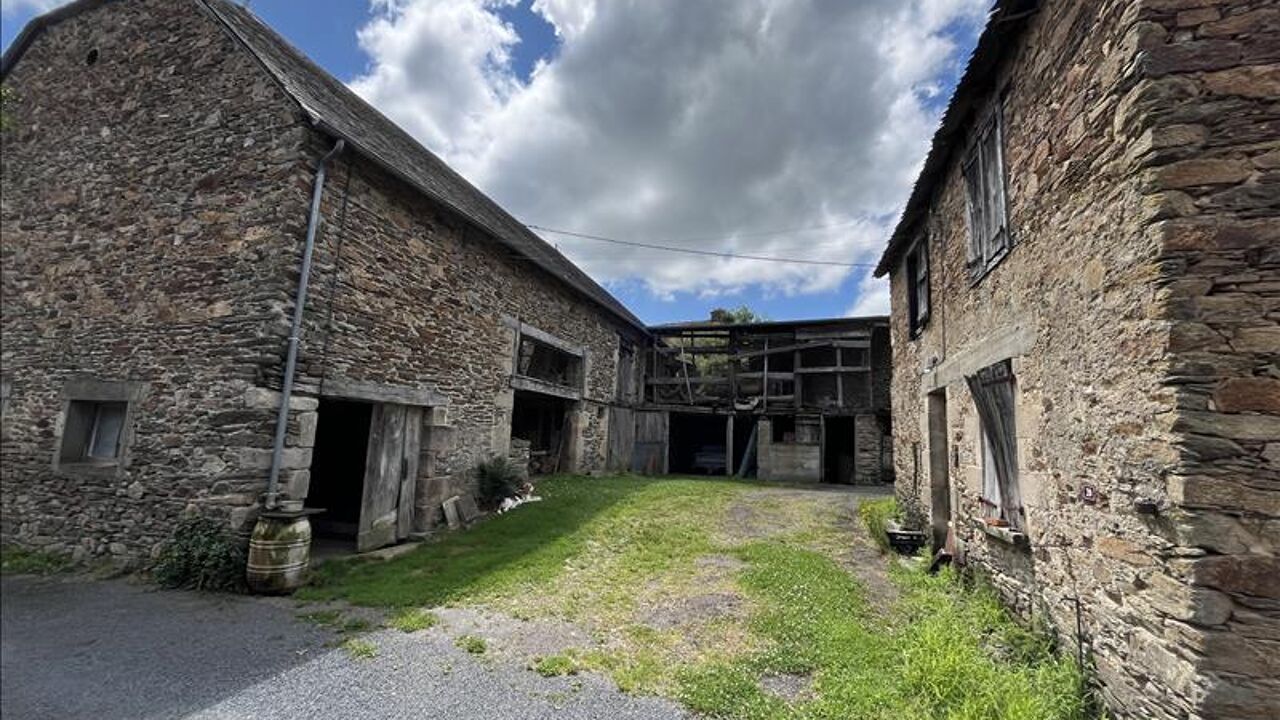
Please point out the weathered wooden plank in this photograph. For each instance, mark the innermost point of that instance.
(383, 467)
(411, 454)
(422, 395)
(521, 382)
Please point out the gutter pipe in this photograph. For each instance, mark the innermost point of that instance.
(271, 500)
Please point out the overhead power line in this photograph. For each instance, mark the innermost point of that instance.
(692, 251)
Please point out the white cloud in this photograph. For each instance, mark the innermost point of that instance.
(672, 122)
(873, 297)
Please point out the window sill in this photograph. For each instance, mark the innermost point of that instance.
(89, 467)
(977, 275)
(1006, 535)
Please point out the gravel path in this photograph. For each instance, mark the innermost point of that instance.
(75, 648)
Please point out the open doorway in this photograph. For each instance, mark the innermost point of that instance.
(697, 444)
(745, 445)
(939, 477)
(543, 421)
(338, 468)
(838, 450)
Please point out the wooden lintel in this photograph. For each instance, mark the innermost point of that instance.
(421, 396)
(520, 382)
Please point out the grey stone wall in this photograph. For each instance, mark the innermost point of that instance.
(144, 201)
(154, 206)
(405, 293)
(1139, 307)
(1210, 157)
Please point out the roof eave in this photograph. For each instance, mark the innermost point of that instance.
(1005, 22)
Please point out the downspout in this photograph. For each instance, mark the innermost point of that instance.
(271, 500)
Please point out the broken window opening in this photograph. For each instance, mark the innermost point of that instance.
(542, 361)
(993, 393)
(93, 431)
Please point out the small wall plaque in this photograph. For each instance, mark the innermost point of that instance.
(1088, 495)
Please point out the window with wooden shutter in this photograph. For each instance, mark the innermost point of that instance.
(994, 396)
(917, 274)
(984, 179)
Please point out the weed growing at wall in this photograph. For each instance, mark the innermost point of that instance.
(202, 555)
(875, 514)
(497, 478)
(21, 561)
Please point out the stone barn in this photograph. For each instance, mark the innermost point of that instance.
(1086, 336)
(197, 221)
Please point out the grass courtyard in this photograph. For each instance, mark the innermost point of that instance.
(739, 600)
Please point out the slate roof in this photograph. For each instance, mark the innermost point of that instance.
(337, 111)
(1004, 23)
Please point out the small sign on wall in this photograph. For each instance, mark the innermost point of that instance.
(1088, 494)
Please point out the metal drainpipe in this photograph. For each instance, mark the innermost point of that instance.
(271, 500)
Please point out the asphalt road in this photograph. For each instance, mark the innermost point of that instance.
(74, 648)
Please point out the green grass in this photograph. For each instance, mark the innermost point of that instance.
(414, 619)
(526, 550)
(15, 560)
(472, 644)
(875, 515)
(555, 665)
(360, 649)
(605, 552)
(946, 651)
(323, 618)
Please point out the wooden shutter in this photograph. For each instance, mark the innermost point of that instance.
(973, 206)
(993, 394)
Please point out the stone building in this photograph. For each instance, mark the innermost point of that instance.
(802, 400)
(1086, 330)
(160, 163)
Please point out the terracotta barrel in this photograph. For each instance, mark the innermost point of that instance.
(279, 552)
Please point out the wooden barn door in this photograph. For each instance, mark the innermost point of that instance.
(650, 455)
(622, 438)
(391, 471)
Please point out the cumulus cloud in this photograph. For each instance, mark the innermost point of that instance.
(667, 120)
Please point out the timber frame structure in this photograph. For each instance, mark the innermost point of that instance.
(800, 400)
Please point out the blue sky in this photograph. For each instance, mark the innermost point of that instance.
(615, 152)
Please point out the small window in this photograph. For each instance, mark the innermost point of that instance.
(93, 431)
(784, 429)
(984, 178)
(626, 390)
(543, 361)
(993, 394)
(918, 286)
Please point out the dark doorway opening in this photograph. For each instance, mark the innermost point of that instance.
(338, 467)
(838, 451)
(744, 451)
(697, 444)
(939, 477)
(542, 421)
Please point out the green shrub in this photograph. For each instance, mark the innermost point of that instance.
(875, 515)
(202, 555)
(497, 478)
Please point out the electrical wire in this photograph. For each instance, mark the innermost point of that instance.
(693, 251)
